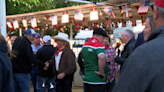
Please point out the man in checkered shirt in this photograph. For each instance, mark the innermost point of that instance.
(113, 66)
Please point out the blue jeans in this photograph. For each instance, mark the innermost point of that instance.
(34, 72)
(42, 82)
(21, 82)
(83, 88)
(110, 86)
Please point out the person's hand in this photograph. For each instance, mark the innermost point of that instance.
(61, 75)
(115, 56)
(101, 74)
(46, 66)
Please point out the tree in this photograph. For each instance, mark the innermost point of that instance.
(26, 6)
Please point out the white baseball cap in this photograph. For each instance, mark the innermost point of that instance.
(47, 38)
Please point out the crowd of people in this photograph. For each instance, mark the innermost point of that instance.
(51, 69)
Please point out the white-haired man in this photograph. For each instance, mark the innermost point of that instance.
(143, 71)
(128, 39)
(65, 63)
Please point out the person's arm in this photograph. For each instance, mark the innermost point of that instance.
(130, 49)
(114, 64)
(37, 54)
(71, 66)
(80, 61)
(131, 78)
(120, 60)
(1, 74)
(101, 64)
(28, 52)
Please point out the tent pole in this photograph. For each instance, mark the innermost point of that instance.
(71, 37)
(20, 31)
(3, 18)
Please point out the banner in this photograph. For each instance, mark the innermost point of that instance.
(126, 10)
(85, 22)
(54, 20)
(15, 24)
(9, 25)
(78, 15)
(65, 18)
(94, 14)
(24, 22)
(33, 22)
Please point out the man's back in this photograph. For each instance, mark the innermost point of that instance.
(45, 54)
(19, 62)
(6, 78)
(144, 71)
(90, 52)
(23, 56)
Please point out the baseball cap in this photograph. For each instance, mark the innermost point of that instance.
(46, 38)
(159, 3)
(31, 31)
(37, 35)
(100, 31)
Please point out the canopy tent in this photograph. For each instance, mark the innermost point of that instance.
(86, 12)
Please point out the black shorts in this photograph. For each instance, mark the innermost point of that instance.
(95, 88)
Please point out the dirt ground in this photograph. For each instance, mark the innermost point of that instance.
(74, 89)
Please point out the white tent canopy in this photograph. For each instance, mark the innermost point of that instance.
(83, 34)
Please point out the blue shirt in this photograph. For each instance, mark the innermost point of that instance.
(36, 49)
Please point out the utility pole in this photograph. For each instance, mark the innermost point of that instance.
(3, 18)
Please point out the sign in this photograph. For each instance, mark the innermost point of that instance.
(94, 15)
(78, 15)
(108, 10)
(24, 21)
(15, 24)
(54, 20)
(65, 18)
(33, 22)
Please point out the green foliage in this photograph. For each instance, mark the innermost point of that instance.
(26, 6)
(52, 32)
(15, 32)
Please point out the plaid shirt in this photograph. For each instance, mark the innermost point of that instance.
(113, 67)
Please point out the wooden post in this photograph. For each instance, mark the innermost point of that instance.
(3, 18)
(71, 37)
(20, 31)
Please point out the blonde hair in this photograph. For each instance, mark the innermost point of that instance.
(3, 41)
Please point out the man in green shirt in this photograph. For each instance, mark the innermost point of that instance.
(95, 65)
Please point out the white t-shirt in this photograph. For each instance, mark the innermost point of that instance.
(57, 59)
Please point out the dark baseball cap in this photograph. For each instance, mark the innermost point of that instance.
(100, 31)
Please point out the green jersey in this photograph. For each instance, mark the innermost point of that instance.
(90, 51)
